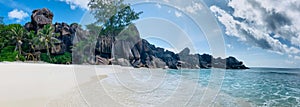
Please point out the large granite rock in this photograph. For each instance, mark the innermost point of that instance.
(196, 61)
(233, 63)
(41, 17)
(139, 52)
(67, 34)
(188, 60)
(104, 47)
(29, 26)
(126, 48)
(158, 63)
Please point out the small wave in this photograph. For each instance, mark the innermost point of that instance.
(281, 73)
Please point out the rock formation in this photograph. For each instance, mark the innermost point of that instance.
(233, 63)
(42, 17)
(129, 47)
(39, 18)
(67, 34)
(126, 49)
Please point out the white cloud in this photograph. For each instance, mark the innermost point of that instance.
(158, 5)
(166, 1)
(193, 8)
(73, 7)
(17, 14)
(188, 6)
(178, 14)
(77, 3)
(253, 21)
(229, 46)
(295, 40)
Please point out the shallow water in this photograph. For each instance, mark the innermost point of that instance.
(190, 88)
(259, 86)
(265, 87)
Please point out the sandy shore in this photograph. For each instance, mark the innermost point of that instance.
(48, 85)
(35, 84)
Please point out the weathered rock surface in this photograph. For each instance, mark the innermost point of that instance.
(44, 16)
(196, 61)
(41, 17)
(188, 60)
(140, 53)
(67, 34)
(126, 49)
(233, 63)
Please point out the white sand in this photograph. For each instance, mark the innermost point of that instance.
(31, 85)
(47, 85)
(34, 85)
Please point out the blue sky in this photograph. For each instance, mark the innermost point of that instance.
(260, 35)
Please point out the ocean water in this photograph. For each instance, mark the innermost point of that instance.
(264, 87)
(256, 87)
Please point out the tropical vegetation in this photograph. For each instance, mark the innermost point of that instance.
(20, 44)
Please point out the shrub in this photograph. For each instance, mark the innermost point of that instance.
(57, 59)
(8, 54)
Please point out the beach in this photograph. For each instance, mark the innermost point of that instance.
(31, 85)
(49, 85)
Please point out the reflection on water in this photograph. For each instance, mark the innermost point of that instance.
(260, 86)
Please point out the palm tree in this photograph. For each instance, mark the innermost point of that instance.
(17, 34)
(46, 38)
(84, 50)
(29, 38)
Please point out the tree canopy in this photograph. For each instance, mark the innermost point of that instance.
(114, 15)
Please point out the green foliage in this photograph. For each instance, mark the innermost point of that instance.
(57, 59)
(93, 29)
(30, 35)
(14, 36)
(21, 58)
(104, 9)
(114, 15)
(119, 21)
(11, 38)
(84, 49)
(46, 38)
(28, 45)
(17, 35)
(130, 34)
(8, 54)
(3, 40)
(6, 35)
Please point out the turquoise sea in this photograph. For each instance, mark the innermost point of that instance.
(255, 87)
(264, 87)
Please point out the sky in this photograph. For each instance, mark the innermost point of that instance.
(261, 33)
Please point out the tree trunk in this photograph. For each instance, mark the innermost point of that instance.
(20, 50)
(48, 52)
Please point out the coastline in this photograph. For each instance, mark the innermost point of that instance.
(35, 84)
(53, 85)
